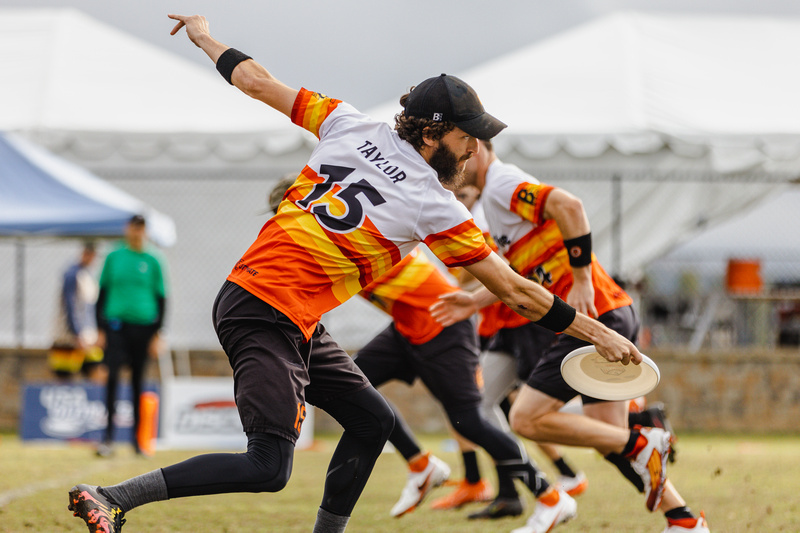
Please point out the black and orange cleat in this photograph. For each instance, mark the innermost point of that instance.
(499, 508)
(100, 513)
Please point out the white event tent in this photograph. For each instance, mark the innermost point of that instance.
(164, 129)
(664, 124)
(169, 132)
(92, 93)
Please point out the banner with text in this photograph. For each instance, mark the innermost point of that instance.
(200, 413)
(54, 411)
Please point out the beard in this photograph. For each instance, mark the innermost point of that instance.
(449, 167)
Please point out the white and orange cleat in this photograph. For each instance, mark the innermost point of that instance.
(554, 507)
(574, 486)
(688, 525)
(427, 473)
(649, 460)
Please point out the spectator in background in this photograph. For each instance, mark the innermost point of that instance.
(130, 313)
(74, 346)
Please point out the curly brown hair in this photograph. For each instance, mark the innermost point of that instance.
(275, 196)
(411, 129)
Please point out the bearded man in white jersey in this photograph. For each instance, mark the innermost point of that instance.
(367, 196)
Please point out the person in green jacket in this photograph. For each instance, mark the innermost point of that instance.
(130, 313)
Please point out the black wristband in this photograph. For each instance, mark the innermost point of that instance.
(579, 250)
(558, 317)
(228, 61)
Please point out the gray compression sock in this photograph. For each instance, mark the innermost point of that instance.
(329, 522)
(150, 487)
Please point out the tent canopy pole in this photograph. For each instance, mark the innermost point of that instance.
(616, 226)
(19, 293)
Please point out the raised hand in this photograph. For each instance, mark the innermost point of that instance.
(196, 27)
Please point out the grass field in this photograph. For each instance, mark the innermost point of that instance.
(744, 484)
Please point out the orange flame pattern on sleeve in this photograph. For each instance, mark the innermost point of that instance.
(311, 109)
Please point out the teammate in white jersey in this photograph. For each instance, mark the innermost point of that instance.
(544, 233)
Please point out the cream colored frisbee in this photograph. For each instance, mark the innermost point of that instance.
(591, 374)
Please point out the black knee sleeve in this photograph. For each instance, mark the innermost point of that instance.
(471, 424)
(402, 438)
(265, 467)
(368, 421)
(624, 466)
(271, 458)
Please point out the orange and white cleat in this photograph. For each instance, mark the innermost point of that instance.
(465, 493)
(688, 525)
(574, 486)
(432, 473)
(649, 460)
(554, 507)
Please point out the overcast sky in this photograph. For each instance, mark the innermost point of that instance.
(369, 51)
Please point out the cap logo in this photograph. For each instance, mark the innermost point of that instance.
(437, 117)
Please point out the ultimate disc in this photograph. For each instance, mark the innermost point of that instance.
(591, 374)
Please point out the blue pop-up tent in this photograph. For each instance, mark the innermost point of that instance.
(42, 194)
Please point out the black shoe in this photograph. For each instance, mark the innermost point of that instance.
(499, 508)
(100, 513)
(658, 419)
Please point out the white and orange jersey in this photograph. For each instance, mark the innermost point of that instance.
(497, 316)
(365, 199)
(513, 203)
(407, 291)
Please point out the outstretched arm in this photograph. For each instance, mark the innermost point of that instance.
(534, 302)
(248, 76)
(457, 306)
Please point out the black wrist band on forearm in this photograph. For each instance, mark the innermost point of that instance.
(228, 61)
(558, 317)
(579, 250)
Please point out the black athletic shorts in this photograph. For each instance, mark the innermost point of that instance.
(525, 343)
(447, 364)
(275, 371)
(546, 377)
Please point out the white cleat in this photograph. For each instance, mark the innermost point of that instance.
(546, 517)
(574, 486)
(651, 464)
(419, 484)
(689, 525)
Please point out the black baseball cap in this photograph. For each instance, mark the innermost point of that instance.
(449, 99)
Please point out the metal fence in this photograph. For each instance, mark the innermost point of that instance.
(216, 218)
(682, 299)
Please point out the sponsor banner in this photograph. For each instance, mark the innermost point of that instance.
(200, 413)
(74, 412)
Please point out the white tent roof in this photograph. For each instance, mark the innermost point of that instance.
(639, 82)
(78, 84)
(695, 115)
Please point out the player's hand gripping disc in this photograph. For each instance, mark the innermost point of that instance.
(591, 374)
